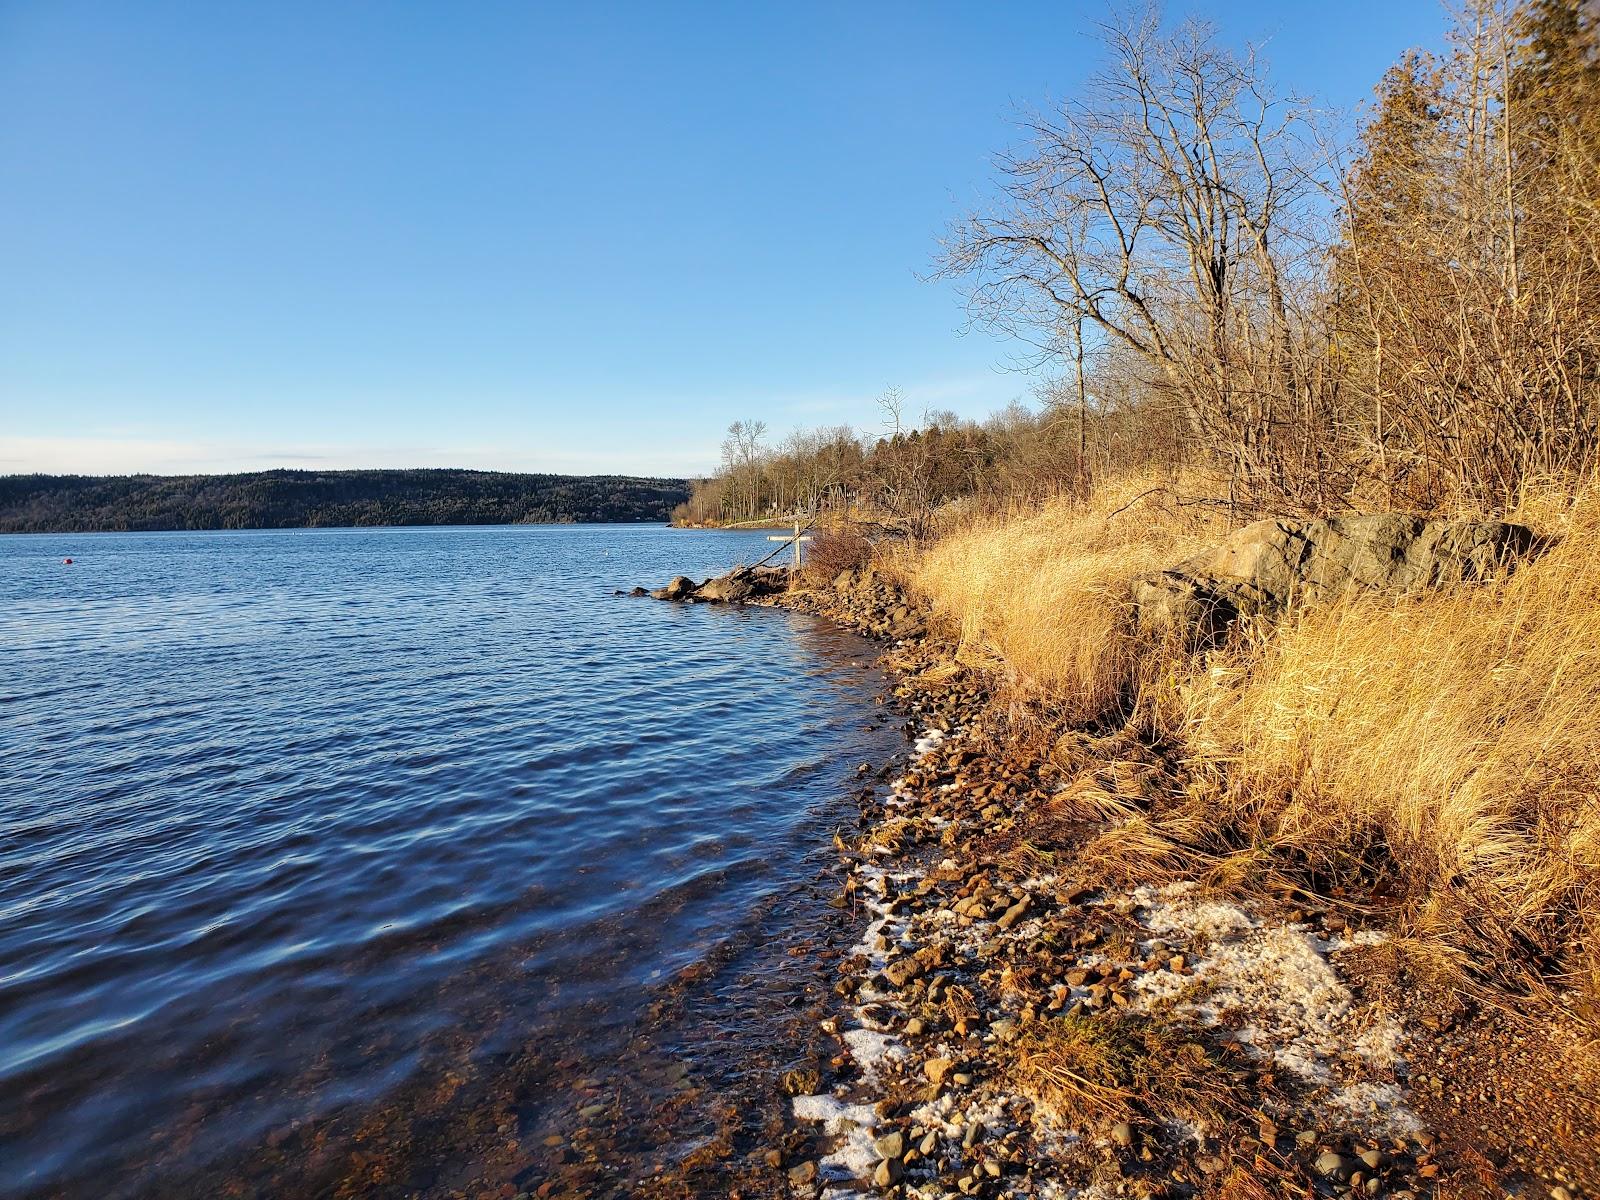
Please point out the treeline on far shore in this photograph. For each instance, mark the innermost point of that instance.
(300, 499)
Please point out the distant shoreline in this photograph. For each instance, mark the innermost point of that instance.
(358, 499)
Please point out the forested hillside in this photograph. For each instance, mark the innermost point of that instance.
(295, 499)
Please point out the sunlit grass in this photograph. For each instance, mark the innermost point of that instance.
(1454, 737)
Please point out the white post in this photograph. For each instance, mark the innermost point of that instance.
(796, 539)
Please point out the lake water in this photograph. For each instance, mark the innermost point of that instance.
(373, 862)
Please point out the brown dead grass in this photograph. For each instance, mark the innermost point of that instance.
(1093, 1071)
(1447, 746)
(1044, 592)
(1463, 729)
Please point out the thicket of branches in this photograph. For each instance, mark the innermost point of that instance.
(1215, 277)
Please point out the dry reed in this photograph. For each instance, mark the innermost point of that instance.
(1462, 729)
(1452, 739)
(1045, 591)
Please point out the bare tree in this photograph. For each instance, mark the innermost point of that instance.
(742, 453)
(1167, 212)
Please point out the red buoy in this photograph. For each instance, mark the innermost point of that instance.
(67, 561)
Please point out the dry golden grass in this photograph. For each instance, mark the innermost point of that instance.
(1094, 1071)
(1045, 591)
(1451, 742)
(1462, 728)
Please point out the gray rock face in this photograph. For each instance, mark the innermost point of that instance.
(1264, 568)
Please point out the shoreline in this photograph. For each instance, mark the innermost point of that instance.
(1015, 1021)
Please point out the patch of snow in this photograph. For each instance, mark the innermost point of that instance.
(853, 1155)
(1377, 1105)
(872, 1049)
(1172, 911)
(1365, 937)
(837, 1116)
(1275, 983)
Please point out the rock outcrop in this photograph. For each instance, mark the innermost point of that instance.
(736, 587)
(1264, 568)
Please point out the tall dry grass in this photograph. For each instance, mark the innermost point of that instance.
(1453, 738)
(1461, 728)
(1042, 593)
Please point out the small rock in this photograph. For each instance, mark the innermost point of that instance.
(1335, 1166)
(891, 1145)
(1014, 914)
(681, 588)
(902, 971)
(1560, 1193)
(937, 1068)
(888, 1173)
(803, 1174)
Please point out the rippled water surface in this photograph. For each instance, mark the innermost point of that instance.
(307, 833)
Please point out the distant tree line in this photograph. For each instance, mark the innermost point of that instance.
(913, 468)
(299, 499)
(1404, 313)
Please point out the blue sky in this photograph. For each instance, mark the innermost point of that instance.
(522, 236)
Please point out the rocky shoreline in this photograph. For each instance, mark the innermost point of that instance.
(1018, 1019)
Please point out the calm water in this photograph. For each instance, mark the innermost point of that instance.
(307, 833)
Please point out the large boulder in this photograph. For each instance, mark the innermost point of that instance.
(681, 588)
(1264, 568)
(736, 587)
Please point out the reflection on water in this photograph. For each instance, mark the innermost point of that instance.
(362, 861)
